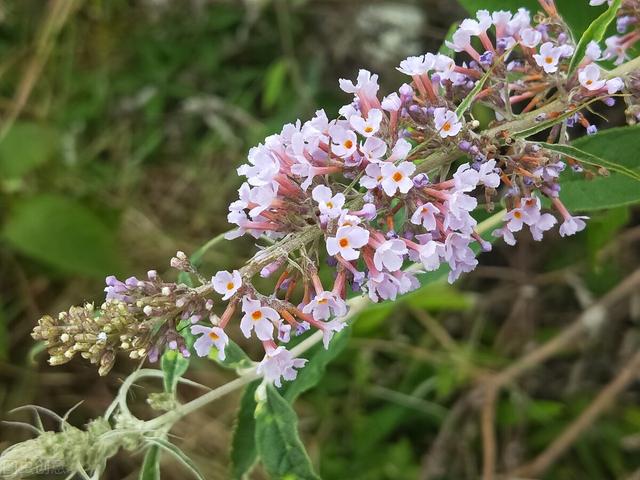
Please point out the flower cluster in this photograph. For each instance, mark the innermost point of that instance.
(370, 189)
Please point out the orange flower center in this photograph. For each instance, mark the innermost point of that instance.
(548, 59)
(330, 204)
(257, 315)
(214, 336)
(589, 82)
(348, 144)
(397, 177)
(368, 129)
(322, 301)
(343, 242)
(446, 127)
(518, 215)
(230, 286)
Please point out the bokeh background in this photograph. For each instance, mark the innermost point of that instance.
(122, 123)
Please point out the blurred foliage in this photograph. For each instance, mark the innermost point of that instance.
(126, 152)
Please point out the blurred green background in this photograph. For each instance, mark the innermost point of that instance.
(122, 125)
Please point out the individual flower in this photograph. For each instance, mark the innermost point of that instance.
(543, 223)
(343, 141)
(425, 215)
(390, 255)
(593, 51)
(446, 122)
(396, 177)
(400, 150)
(330, 205)
(209, 337)
(614, 85)
(548, 57)
(373, 176)
(391, 103)
(227, 284)
(329, 329)
(487, 175)
(530, 37)
(258, 318)
(279, 363)
(347, 242)
(430, 254)
(514, 219)
(572, 225)
(416, 65)
(367, 126)
(589, 77)
(466, 178)
(324, 305)
(373, 149)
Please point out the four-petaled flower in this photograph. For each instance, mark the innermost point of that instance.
(396, 177)
(210, 337)
(446, 122)
(330, 205)
(347, 241)
(227, 284)
(257, 318)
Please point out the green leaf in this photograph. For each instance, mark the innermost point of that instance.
(319, 357)
(174, 365)
(571, 151)
(26, 146)
(274, 82)
(179, 455)
(615, 190)
(280, 448)
(151, 466)
(244, 452)
(595, 32)
(235, 359)
(64, 234)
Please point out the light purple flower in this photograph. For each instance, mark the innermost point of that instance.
(589, 77)
(330, 205)
(425, 215)
(258, 318)
(572, 225)
(279, 363)
(390, 255)
(210, 337)
(324, 305)
(446, 122)
(548, 57)
(396, 177)
(369, 126)
(227, 284)
(347, 241)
